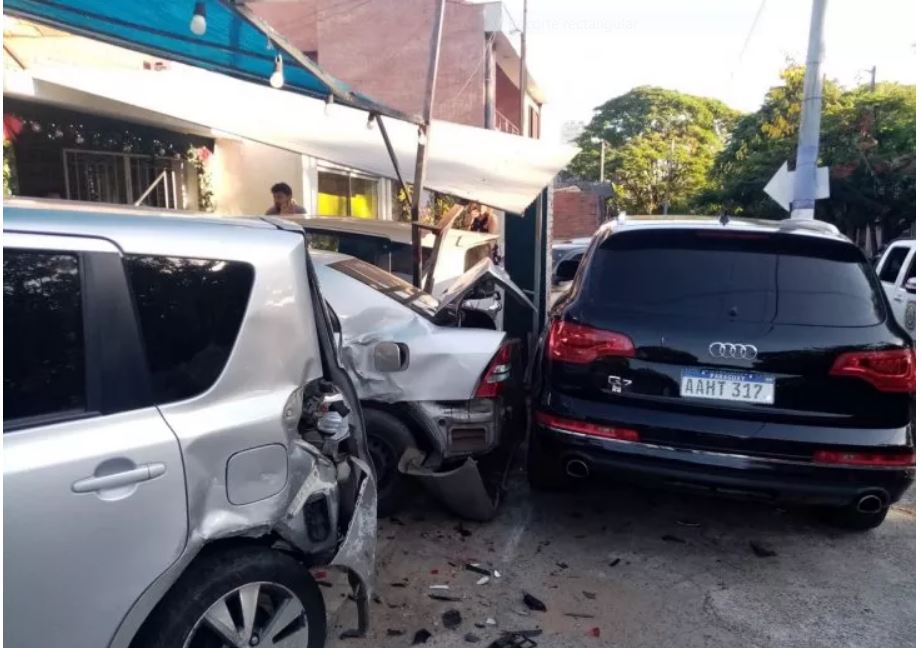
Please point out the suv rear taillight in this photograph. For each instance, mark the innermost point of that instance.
(497, 373)
(582, 344)
(888, 371)
(586, 428)
(844, 458)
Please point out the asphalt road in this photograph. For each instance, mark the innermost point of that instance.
(634, 568)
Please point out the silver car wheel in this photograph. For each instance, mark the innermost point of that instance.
(255, 614)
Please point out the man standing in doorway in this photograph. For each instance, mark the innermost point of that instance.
(283, 202)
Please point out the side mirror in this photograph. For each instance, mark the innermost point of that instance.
(391, 356)
(910, 286)
(566, 271)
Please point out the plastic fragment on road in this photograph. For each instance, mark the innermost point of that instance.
(483, 580)
(534, 603)
(451, 619)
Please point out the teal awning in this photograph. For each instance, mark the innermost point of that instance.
(235, 42)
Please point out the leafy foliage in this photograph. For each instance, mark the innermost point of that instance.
(867, 140)
(660, 146)
(702, 157)
(10, 181)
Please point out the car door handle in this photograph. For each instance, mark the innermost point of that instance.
(125, 478)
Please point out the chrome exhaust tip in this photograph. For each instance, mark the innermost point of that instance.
(870, 504)
(577, 469)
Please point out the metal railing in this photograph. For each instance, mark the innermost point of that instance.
(506, 125)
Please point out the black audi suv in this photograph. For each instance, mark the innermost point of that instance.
(752, 358)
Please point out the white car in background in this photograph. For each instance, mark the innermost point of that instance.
(896, 270)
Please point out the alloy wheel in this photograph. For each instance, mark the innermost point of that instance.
(255, 614)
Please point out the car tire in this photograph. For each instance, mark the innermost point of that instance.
(388, 439)
(544, 474)
(280, 584)
(851, 519)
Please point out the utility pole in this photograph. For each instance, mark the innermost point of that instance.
(601, 163)
(421, 152)
(872, 72)
(807, 150)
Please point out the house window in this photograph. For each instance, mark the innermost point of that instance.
(347, 194)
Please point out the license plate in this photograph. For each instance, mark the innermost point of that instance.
(727, 385)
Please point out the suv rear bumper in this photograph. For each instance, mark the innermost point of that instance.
(721, 472)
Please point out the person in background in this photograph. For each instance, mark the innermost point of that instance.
(482, 219)
(283, 202)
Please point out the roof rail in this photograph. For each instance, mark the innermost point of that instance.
(808, 224)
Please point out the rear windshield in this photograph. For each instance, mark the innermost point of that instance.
(776, 278)
(390, 285)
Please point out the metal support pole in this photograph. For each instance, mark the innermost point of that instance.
(807, 150)
(390, 153)
(490, 108)
(421, 150)
(523, 69)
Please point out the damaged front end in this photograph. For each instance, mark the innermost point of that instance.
(332, 516)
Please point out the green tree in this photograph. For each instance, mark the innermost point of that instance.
(761, 142)
(867, 140)
(660, 146)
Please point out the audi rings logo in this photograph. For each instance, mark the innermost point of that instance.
(734, 351)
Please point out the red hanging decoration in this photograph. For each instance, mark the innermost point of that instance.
(12, 126)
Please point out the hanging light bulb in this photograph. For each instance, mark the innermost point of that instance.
(370, 123)
(329, 102)
(277, 80)
(198, 25)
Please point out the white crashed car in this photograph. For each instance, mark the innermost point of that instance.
(442, 398)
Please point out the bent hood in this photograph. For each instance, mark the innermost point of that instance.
(485, 272)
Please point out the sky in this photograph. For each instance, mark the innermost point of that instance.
(584, 52)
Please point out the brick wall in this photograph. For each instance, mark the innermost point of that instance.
(381, 47)
(575, 213)
(296, 20)
(508, 98)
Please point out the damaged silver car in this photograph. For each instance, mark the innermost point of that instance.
(440, 388)
(181, 444)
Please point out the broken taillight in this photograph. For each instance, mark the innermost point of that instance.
(888, 371)
(497, 373)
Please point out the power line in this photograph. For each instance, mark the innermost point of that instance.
(745, 44)
(751, 30)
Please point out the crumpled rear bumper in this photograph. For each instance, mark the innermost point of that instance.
(461, 489)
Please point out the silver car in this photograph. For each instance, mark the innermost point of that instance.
(181, 444)
(440, 387)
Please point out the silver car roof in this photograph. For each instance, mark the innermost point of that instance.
(151, 231)
(396, 231)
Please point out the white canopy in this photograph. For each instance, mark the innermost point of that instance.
(498, 169)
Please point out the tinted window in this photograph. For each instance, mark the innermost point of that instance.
(401, 260)
(190, 311)
(911, 271)
(43, 357)
(388, 284)
(372, 249)
(889, 273)
(756, 278)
